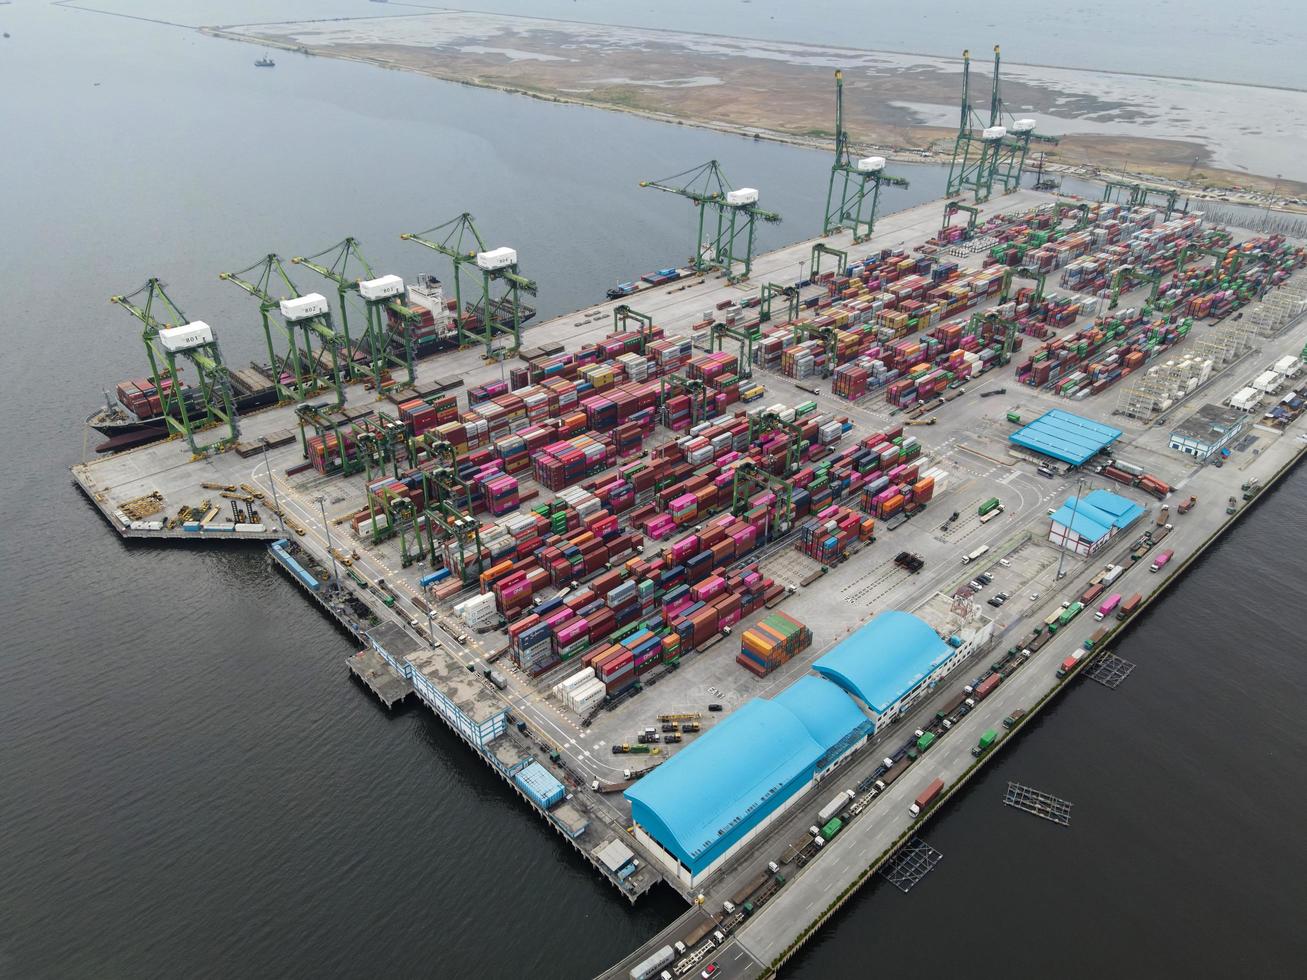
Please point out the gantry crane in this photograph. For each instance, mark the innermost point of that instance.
(1138, 276)
(193, 340)
(310, 315)
(748, 479)
(736, 211)
(977, 326)
(860, 180)
(1022, 272)
(1066, 209)
(623, 316)
(769, 292)
(953, 207)
(1016, 139)
(717, 335)
(1141, 195)
(378, 294)
(828, 341)
(503, 314)
(323, 424)
(821, 249)
(766, 421)
(692, 387)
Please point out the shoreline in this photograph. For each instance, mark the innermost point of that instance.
(898, 154)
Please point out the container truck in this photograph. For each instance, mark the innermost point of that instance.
(1013, 718)
(1091, 593)
(1163, 513)
(1129, 606)
(1188, 505)
(1160, 561)
(985, 744)
(1107, 607)
(695, 937)
(650, 967)
(975, 555)
(986, 687)
(1066, 615)
(1111, 573)
(925, 741)
(928, 796)
(991, 504)
(892, 773)
(831, 828)
(833, 808)
(1069, 664)
(1093, 641)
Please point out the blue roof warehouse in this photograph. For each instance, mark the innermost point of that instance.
(700, 806)
(1084, 527)
(1062, 435)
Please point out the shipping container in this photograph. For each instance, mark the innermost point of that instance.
(928, 797)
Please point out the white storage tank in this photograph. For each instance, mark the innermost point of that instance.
(741, 196)
(193, 334)
(303, 307)
(871, 165)
(497, 258)
(383, 287)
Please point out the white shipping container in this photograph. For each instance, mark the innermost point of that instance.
(193, 334)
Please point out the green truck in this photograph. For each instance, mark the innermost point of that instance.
(985, 744)
(1068, 614)
(926, 740)
(987, 506)
(832, 828)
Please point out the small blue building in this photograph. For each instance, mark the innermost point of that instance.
(1085, 527)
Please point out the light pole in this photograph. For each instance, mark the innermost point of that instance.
(431, 630)
(273, 483)
(802, 263)
(331, 550)
(1075, 509)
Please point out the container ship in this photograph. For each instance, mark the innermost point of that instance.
(660, 278)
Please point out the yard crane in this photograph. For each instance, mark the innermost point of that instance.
(310, 314)
(463, 244)
(1137, 276)
(991, 318)
(750, 478)
(623, 316)
(953, 207)
(736, 211)
(820, 249)
(769, 292)
(826, 335)
(379, 294)
(194, 341)
(717, 335)
(1141, 195)
(693, 388)
(1016, 139)
(1022, 272)
(760, 423)
(859, 180)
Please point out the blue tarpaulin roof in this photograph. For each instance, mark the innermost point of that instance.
(885, 659)
(1062, 435)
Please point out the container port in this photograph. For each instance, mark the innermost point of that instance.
(594, 544)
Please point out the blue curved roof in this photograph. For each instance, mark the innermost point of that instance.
(826, 711)
(885, 659)
(713, 791)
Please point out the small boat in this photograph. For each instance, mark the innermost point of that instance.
(265, 62)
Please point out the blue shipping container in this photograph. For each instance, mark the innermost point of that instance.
(539, 784)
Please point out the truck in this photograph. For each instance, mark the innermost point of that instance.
(1107, 607)
(1092, 593)
(889, 775)
(1068, 614)
(951, 706)
(1069, 664)
(746, 891)
(1160, 561)
(1187, 505)
(650, 967)
(831, 828)
(986, 687)
(1129, 606)
(1110, 574)
(928, 796)
(1010, 721)
(1163, 515)
(926, 740)
(985, 744)
(991, 504)
(833, 808)
(696, 936)
(1231, 506)
(1092, 642)
(975, 555)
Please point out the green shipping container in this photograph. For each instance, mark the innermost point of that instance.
(926, 741)
(988, 739)
(832, 828)
(987, 506)
(1014, 417)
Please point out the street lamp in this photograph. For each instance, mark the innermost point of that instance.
(273, 483)
(331, 550)
(1075, 509)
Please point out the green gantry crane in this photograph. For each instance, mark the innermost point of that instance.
(750, 478)
(1138, 276)
(736, 212)
(310, 315)
(993, 151)
(693, 387)
(953, 207)
(977, 325)
(1022, 272)
(624, 316)
(502, 314)
(193, 340)
(770, 291)
(860, 181)
(760, 423)
(820, 250)
(378, 295)
(717, 336)
(1141, 195)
